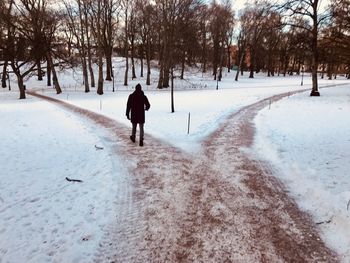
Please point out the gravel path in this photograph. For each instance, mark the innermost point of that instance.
(218, 205)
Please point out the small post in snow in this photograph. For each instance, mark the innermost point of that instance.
(188, 123)
(100, 104)
(270, 104)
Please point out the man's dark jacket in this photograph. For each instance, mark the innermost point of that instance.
(137, 104)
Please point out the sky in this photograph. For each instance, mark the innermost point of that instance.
(239, 4)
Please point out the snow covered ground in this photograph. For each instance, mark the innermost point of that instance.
(308, 139)
(44, 218)
(196, 98)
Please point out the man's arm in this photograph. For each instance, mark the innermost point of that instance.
(147, 105)
(128, 107)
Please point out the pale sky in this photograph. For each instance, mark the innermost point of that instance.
(239, 4)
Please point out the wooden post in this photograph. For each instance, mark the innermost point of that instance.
(188, 123)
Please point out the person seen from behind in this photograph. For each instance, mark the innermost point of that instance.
(137, 104)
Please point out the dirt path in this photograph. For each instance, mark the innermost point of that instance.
(219, 205)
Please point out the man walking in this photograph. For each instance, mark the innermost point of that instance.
(137, 104)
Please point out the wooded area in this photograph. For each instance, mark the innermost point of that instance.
(40, 37)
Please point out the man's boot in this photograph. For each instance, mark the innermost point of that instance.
(132, 138)
(141, 142)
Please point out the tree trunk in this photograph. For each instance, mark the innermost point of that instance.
(132, 57)
(100, 51)
(251, 66)
(82, 50)
(91, 71)
(85, 74)
(239, 66)
(183, 64)
(133, 67)
(228, 59)
(4, 74)
(285, 66)
(126, 49)
(329, 70)
(314, 91)
(204, 54)
(148, 58)
(166, 75)
(323, 69)
(40, 74)
(108, 65)
(88, 42)
(172, 90)
(252, 62)
(161, 76)
(167, 53)
(269, 64)
(22, 93)
(221, 62)
(141, 67)
(215, 60)
(100, 72)
(48, 71)
(54, 75)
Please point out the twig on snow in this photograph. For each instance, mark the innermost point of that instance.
(324, 222)
(98, 147)
(73, 180)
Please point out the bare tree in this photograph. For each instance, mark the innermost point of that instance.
(5, 26)
(97, 9)
(338, 32)
(146, 26)
(110, 19)
(254, 20)
(127, 5)
(309, 9)
(75, 23)
(242, 46)
(203, 31)
(32, 28)
(85, 8)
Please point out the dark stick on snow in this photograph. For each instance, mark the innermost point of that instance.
(324, 222)
(347, 206)
(73, 180)
(98, 147)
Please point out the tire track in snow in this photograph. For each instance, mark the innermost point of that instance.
(219, 205)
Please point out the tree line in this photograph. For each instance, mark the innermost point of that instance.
(40, 37)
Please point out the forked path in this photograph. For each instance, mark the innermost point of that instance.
(218, 205)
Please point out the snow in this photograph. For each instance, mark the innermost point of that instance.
(195, 97)
(308, 139)
(44, 218)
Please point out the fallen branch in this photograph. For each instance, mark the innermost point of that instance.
(73, 180)
(98, 147)
(324, 222)
(347, 206)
